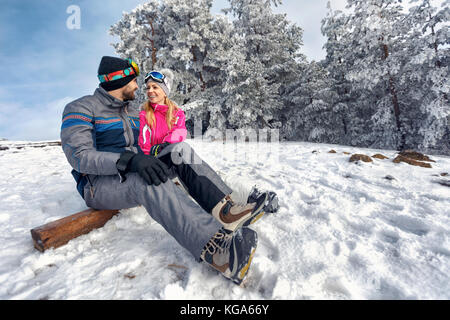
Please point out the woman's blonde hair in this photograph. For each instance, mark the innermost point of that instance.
(170, 115)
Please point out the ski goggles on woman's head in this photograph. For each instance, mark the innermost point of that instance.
(116, 75)
(156, 76)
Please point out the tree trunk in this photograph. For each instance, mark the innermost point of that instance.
(194, 59)
(394, 97)
(153, 45)
(435, 45)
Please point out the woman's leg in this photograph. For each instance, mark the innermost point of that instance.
(202, 182)
(208, 189)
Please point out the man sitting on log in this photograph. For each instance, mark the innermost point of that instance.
(99, 136)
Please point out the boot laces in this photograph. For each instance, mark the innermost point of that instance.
(220, 242)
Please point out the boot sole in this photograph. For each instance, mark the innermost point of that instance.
(245, 269)
(256, 218)
(257, 214)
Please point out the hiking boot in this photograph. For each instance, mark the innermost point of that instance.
(231, 253)
(271, 205)
(234, 216)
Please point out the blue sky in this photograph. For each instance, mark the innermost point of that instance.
(47, 65)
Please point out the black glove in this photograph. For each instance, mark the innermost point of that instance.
(157, 148)
(152, 170)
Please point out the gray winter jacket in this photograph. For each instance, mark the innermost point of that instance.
(95, 130)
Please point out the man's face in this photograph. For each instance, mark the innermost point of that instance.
(129, 90)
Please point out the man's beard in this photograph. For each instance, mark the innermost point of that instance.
(128, 96)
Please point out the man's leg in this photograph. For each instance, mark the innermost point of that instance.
(167, 204)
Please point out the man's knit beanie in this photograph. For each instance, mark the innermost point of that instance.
(111, 64)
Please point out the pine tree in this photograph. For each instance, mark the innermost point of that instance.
(140, 38)
(181, 35)
(342, 96)
(194, 43)
(389, 69)
(313, 117)
(366, 51)
(426, 75)
(378, 36)
(262, 61)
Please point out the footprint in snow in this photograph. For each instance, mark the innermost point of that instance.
(408, 224)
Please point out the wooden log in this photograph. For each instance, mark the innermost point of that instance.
(59, 232)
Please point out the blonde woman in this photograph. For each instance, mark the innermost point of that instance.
(162, 135)
(162, 122)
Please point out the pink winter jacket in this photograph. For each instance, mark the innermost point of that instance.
(160, 132)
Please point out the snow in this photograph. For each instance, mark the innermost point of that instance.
(343, 231)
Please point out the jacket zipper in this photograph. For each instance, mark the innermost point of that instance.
(127, 128)
(156, 126)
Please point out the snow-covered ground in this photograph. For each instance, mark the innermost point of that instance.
(343, 231)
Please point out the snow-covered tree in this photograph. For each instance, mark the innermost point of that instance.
(263, 60)
(312, 116)
(389, 68)
(140, 37)
(425, 76)
(375, 31)
(342, 96)
(181, 35)
(195, 47)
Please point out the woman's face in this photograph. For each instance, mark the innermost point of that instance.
(155, 94)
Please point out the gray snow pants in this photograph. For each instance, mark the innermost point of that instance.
(189, 222)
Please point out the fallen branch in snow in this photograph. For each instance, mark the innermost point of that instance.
(59, 232)
(414, 155)
(410, 161)
(414, 158)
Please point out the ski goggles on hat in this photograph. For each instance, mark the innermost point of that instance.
(156, 76)
(116, 75)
